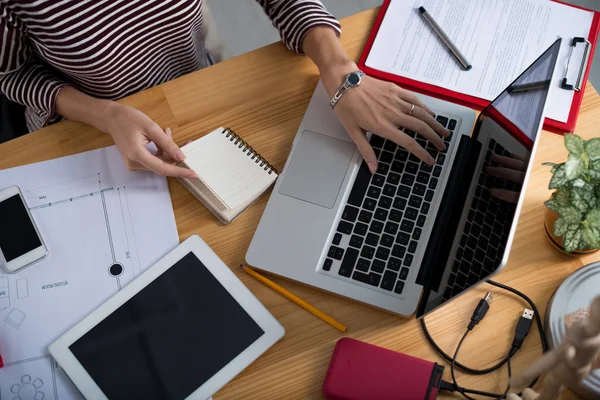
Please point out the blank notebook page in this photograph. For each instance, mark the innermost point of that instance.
(229, 172)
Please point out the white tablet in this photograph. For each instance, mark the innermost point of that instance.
(181, 330)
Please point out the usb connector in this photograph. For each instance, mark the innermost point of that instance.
(523, 327)
(480, 311)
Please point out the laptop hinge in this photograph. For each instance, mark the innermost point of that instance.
(448, 217)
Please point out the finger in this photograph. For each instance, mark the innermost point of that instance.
(363, 145)
(419, 126)
(506, 195)
(520, 157)
(160, 167)
(413, 99)
(410, 144)
(165, 143)
(506, 173)
(510, 162)
(424, 116)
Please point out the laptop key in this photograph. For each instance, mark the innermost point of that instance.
(390, 146)
(394, 264)
(421, 221)
(383, 168)
(331, 251)
(399, 203)
(407, 226)
(433, 183)
(387, 240)
(391, 228)
(356, 241)
(337, 238)
(389, 279)
(382, 253)
(365, 216)
(360, 229)
(360, 276)
(411, 213)
(404, 273)
(339, 253)
(378, 180)
(414, 201)
(402, 238)
(395, 215)
(452, 124)
(374, 279)
(369, 204)
(437, 171)
(360, 185)
(397, 166)
(403, 191)
(376, 141)
(385, 202)
(412, 247)
(408, 179)
(345, 227)
(408, 260)
(389, 190)
(378, 266)
(399, 287)
(417, 233)
(376, 226)
(372, 239)
(425, 208)
(350, 213)
(363, 265)
(442, 120)
(419, 189)
(393, 178)
(327, 264)
(412, 168)
(429, 195)
(386, 157)
(367, 252)
(374, 192)
(441, 158)
(423, 177)
(381, 214)
(348, 262)
(426, 167)
(422, 142)
(398, 251)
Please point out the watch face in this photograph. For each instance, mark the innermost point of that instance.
(353, 78)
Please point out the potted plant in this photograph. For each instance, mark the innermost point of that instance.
(573, 222)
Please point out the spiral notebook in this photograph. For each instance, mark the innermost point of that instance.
(231, 174)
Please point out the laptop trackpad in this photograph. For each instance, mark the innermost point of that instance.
(317, 169)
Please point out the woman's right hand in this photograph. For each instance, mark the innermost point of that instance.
(132, 131)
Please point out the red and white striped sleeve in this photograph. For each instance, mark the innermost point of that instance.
(294, 18)
(23, 78)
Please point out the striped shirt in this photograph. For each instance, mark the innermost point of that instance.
(112, 48)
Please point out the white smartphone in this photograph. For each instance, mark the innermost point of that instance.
(20, 241)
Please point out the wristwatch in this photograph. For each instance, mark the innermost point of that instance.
(353, 79)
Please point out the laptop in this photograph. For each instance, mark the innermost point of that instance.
(411, 237)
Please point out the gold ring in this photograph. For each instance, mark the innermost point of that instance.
(412, 108)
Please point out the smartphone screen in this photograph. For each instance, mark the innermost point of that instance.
(17, 233)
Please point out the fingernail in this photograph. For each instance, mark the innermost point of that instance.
(168, 130)
(372, 167)
(193, 175)
(431, 160)
(180, 156)
(443, 147)
(446, 132)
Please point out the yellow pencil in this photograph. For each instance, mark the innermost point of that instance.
(294, 298)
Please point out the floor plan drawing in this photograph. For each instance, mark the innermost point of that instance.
(103, 226)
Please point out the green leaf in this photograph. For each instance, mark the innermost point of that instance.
(574, 167)
(574, 144)
(559, 179)
(593, 218)
(549, 164)
(560, 227)
(570, 214)
(592, 148)
(594, 170)
(552, 205)
(556, 166)
(563, 196)
(583, 198)
(591, 238)
(572, 238)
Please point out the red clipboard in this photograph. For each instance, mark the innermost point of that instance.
(472, 101)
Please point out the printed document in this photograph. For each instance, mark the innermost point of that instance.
(500, 38)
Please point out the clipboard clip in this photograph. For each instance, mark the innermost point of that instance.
(584, 61)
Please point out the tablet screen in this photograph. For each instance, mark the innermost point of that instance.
(169, 339)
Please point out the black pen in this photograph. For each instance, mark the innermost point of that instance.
(445, 39)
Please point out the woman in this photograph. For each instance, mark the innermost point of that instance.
(73, 58)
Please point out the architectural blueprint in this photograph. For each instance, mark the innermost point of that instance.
(103, 226)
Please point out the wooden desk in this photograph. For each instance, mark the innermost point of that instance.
(263, 96)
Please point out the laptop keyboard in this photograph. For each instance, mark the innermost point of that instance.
(385, 213)
(485, 234)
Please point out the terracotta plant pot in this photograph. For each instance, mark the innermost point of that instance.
(557, 241)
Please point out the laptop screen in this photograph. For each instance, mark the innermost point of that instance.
(482, 200)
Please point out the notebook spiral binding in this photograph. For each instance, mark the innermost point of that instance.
(248, 150)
